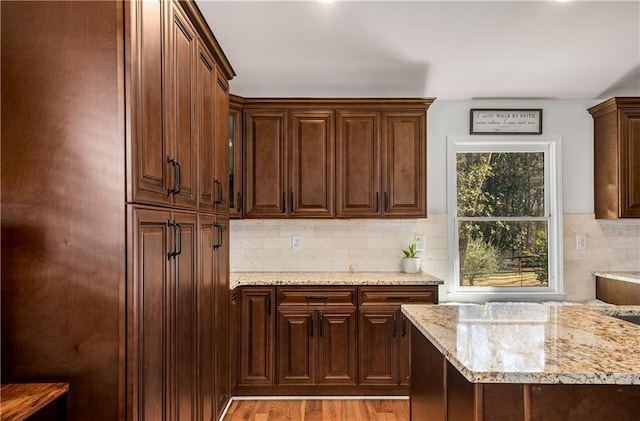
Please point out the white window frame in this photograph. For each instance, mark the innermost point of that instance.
(551, 146)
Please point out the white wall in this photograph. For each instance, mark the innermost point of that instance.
(568, 119)
(375, 245)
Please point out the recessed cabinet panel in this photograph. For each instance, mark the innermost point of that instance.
(265, 165)
(404, 164)
(256, 337)
(296, 347)
(358, 164)
(311, 185)
(630, 177)
(378, 347)
(221, 173)
(148, 164)
(336, 345)
(180, 104)
(205, 114)
(150, 288)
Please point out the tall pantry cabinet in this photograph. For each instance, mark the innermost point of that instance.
(115, 207)
(177, 358)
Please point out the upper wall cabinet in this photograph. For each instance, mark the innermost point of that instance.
(179, 105)
(235, 156)
(289, 162)
(382, 172)
(350, 158)
(617, 158)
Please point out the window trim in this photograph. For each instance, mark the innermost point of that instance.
(551, 146)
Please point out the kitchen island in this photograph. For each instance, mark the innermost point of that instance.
(524, 361)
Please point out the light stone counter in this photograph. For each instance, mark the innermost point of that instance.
(620, 276)
(331, 278)
(533, 343)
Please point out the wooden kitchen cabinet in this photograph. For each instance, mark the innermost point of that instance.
(124, 271)
(381, 171)
(163, 314)
(257, 340)
(358, 164)
(316, 338)
(384, 340)
(235, 157)
(289, 162)
(617, 158)
(265, 163)
(178, 111)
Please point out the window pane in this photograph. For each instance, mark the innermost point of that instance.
(500, 183)
(503, 253)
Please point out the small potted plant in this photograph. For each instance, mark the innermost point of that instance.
(411, 262)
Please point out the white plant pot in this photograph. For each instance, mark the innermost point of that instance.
(411, 264)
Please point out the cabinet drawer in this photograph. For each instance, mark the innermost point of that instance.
(316, 296)
(405, 295)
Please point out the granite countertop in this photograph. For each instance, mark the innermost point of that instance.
(620, 276)
(533, 343)
(331, 278)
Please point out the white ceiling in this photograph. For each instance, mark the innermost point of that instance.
(443, 49)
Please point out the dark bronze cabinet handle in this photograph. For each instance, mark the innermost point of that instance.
(218, 243)
(284, 195)
(177, 188)
(218, 185)
(239, 202)
(386, 202)
(395, 319)
(391, 298)
(404, 326)
(311, 325)
(292, 207)
(320, 323)
(172, 162)
(179, 245)
(377, 201)
(173, 252)
(268, 304)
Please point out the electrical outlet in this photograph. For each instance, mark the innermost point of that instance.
(581, 242)
(296, 242)
(420, 242)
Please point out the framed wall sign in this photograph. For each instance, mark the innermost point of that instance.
(506, 121)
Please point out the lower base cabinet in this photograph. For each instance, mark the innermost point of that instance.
(326, 340)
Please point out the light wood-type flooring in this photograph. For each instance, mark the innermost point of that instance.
(319, 410)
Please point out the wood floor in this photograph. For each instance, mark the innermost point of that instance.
(319, 410)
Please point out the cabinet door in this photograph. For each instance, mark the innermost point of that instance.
(404, 164)
(256, 337)
(181, 59)
(357, 164)
(222, 314)
(296, 347)
(207, 240)
(630, 163)
(234, 349)
(265, 163)
(184, 308)
(206, 119)
(378, 347)
(149, 169)
(404, 353)
(337, 347)
(148, 318)
(221, 172)
(235, 162)
(311, 185)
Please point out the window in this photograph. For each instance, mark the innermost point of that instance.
(504, 219)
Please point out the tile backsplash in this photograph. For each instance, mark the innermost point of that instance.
(264, 245)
